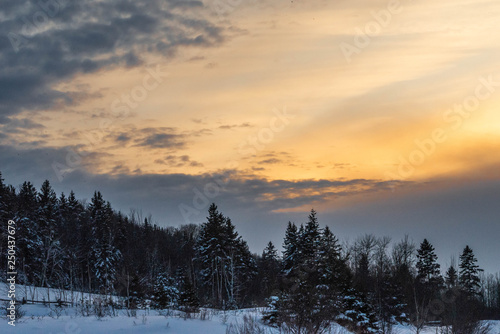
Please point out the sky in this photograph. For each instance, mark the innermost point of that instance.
(380, 115)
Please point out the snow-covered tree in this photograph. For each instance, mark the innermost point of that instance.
(269, 270)
(104, 255)
(290, 254)
(165, 292)
(469, 271)
(47, 220)
(309, 299)
(188, 299)
(30, 236)
(225, 260)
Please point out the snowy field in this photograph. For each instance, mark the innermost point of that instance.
(50, 319)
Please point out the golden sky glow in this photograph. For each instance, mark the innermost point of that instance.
(353, 117)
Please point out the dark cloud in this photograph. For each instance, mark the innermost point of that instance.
(161, 138)
(232, 126)
(270, 161)
(20, 125)
(42, 45)
(123, 138)
(178, 161)
(451, 216)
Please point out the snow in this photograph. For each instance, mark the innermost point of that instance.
(68, 320)
(38, 320)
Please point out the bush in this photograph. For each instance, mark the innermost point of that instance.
(18, 311)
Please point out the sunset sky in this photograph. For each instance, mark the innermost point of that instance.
(381, 115)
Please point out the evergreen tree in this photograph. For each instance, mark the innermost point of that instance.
(188, 300)
(428, 273)
(290, 255)
(427, 265)
(451, 278)
(47, 218)
(269, 270)
(334, 274)
(305, 307)
(165, 292)
(359, 314)
(469, 272)
(104, 255)
(227, 266)
(30, 235)
(403, 254)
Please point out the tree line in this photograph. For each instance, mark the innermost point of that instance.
(367, 285)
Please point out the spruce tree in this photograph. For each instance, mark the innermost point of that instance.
(451, 277)
(104, 255)
(427, 265)
(165, 292)
(227, 266)
(188, 300)
(304, 306)
(290, 255)
(30, 235)
(269, 270)
(47, 219)
(469, 272)
(428, 272)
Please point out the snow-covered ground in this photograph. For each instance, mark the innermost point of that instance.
(41, 319)
(69, 320)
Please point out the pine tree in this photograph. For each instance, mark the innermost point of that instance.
(104, 255)
(3, 202)
(188, 300)
(334, 274)
(428, 272)
(269, 270)
(427, 265)
(469, 272)
(358, 313)
(30, 235)
(290, 255)
(227, 266)
(305, 307)
(451, 278)
(52, 255)
(165, 292)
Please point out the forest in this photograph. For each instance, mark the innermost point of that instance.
(313, 278)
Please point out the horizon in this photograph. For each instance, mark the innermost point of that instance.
(380, 115)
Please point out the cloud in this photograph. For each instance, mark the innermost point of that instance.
(232, 126)
(178, 161)
(270, 161)
(161, 140)
(17, 125)
(37, 164)
(87, 36)
(160, 137)
(444, 211)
